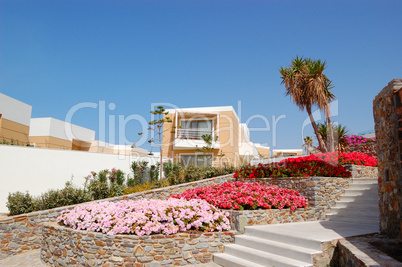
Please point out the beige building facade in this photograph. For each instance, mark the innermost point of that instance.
(15, 119)
(183, 137)
(287, 152)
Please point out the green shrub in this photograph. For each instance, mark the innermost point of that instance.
(139, 169)
(131, 182)
(192, 173)
(119, 177)
(105, 184)
(154, 173)
(19, 202)
(69, 195)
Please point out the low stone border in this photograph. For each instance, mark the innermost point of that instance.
(357, 252)
(20, 233)
(62, 246)
(241, 218)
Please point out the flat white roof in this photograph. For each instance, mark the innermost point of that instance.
(15, 110)
(204, 110)
(60, 129)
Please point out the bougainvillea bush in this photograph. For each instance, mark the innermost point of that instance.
(323, 164)
(357, 139)
(354, 158)
(146, 216)
(294, 167)
(246, 196)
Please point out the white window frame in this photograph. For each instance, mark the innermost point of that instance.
(198, 119)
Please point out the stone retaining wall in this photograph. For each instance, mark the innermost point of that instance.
(362, 171)
(369, 148)
(241, 218)
(321, 192)
(358, 252)
(387, 108)
(20, 233)
(63, 246)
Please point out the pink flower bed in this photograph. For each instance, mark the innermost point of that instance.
(145, 217)
(246, 196)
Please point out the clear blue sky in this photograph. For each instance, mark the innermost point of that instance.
(56, 54)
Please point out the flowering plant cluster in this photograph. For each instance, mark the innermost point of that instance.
(294, 167)
(114, 176)
(357, 139)
(145, 217)
(246, 196)
(354, 158)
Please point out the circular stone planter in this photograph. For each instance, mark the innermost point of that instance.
(62, 246)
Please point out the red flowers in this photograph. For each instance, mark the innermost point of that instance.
(328, 165)
(246, 196)
(354, 158)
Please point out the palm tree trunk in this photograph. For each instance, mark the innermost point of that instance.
(323, 147)
(330, 129)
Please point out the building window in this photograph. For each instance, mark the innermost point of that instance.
(195, 129)
(196, 159)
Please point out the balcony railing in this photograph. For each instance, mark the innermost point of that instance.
(193, 134)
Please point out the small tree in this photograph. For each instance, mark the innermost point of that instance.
(156, 126)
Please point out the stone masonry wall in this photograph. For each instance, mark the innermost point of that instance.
(362, 171)
(358, 252)
(241, 218)
(20, 233)
(369, 148)
(63, 246)
(387, 108)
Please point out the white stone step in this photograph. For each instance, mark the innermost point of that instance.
(360, 199)
(354, 205)
(363, 186)
(227, 260)
(359, 220)
(354, 192)
(262, 258)
(365, 181)
(354, 212)
(359, 216)
(283, 237)
(279, 248)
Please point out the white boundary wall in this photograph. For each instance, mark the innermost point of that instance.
(38, 170)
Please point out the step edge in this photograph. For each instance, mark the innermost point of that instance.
(265, 255)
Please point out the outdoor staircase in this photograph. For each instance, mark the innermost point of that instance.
(295, 244)
(359, 204)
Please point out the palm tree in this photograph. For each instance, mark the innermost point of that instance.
(339, 134)
(308, 144)
(307, 85)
